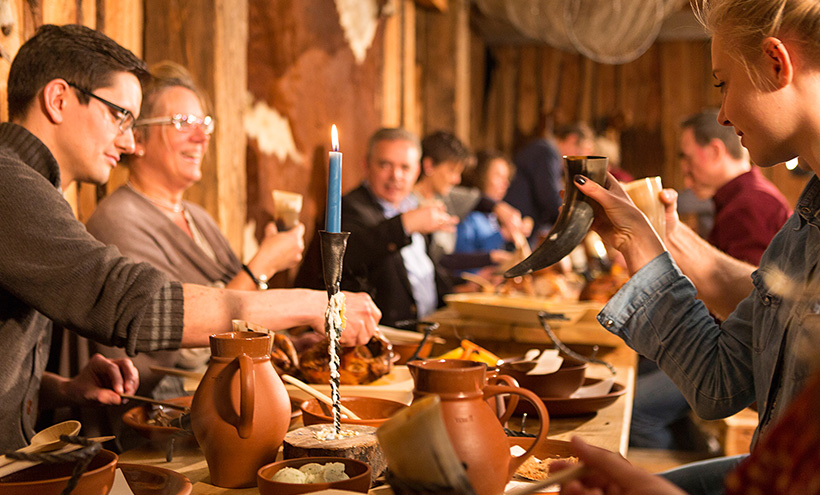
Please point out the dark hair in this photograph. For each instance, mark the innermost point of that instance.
(705, 128)
(72, 52)
(580, 129)
(442, 146)
(391, 134)
(166, 75)
(477, 176)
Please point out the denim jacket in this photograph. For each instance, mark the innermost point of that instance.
(763, 352)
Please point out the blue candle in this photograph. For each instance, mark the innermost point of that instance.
(333, 218)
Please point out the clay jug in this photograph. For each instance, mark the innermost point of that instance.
(241, 410)
(474, 429)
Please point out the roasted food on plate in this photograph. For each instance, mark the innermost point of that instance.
(604, 286)
(472, 352)
(539, 469)
(359, 365)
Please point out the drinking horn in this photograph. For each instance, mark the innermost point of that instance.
(573, 222)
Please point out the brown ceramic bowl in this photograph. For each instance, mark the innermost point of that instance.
(562, 383)
(373, 410)
(404, 350)
(51, 479)
(358, 471)
(138, 419)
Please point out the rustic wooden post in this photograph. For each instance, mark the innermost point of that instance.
(210, 38)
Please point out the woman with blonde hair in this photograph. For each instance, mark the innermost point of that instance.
(766, 63)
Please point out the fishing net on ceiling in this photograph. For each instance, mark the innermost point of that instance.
(606, 31)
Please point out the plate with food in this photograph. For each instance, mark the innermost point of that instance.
(537, 466)
(154, 422)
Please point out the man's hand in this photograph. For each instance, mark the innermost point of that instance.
(360, 312)
(431, 217)
(362, 317)
(101, 381)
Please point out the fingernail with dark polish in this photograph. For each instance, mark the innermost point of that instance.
(580, 179)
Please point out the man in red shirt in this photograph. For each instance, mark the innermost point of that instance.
(749, 210)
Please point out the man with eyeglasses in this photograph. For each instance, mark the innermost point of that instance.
(73, 94)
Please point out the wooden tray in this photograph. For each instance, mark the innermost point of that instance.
(396, 385)
(521, 310)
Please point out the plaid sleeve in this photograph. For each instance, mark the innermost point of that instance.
(161, 325)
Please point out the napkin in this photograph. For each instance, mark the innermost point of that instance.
(120, 486)
(548, 362)
(595, 390)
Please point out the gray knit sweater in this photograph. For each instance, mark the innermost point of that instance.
(51, 269)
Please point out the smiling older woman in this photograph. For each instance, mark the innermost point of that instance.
(148, 219)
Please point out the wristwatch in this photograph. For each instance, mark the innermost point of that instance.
(261, 281)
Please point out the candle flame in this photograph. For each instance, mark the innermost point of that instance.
(334, 138)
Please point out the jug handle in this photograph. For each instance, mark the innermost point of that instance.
(246, 396)
(509, 409)
(541, 437)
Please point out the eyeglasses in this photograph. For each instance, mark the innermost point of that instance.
(125, 119)
(183, 123)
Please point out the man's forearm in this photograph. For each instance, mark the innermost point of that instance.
(722, 281)
(209, 310)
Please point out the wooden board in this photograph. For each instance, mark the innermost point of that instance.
(519, 309)
(396, 385)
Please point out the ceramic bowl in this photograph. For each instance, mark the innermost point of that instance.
(404, 350)
(562, 383)
(138, 419)
(358, 471)
(373, 411)
(51, 479)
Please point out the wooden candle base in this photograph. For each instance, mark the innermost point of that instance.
(304, 442)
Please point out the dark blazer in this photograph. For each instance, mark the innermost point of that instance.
(373, 261)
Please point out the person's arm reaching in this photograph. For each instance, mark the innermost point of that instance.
(101, 381)
(208, 309)
(721, 280)
(620, 223)
(278, 251)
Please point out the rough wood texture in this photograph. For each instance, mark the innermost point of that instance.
(643, 100)
(210, 39)
(302, 69)
(302, 442)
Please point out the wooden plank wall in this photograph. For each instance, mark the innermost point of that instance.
(527, 85)
(302, 71)
(515, 87)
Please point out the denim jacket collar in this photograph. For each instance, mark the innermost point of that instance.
(808, 205)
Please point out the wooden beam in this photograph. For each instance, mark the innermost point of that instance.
(210, 38)
(230, 83)
(440, 5)
(461, 28)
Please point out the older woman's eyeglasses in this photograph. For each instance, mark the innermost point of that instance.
(125, 119)
(183, 123)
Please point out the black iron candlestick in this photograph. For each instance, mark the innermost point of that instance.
(333, 245)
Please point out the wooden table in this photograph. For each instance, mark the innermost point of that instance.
(608, 428)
